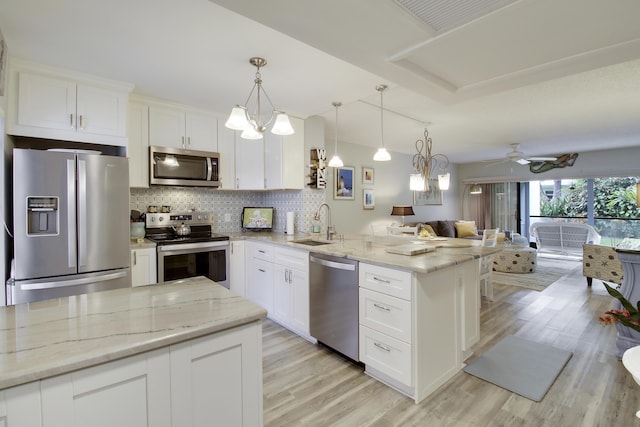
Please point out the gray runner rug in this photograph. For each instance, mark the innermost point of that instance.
(524, 367)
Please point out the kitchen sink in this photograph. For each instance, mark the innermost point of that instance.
(311, 242)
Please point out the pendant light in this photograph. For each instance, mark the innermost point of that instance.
(251, 123)
(382, 155)
(335, 161)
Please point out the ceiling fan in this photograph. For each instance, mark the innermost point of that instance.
(519, 157)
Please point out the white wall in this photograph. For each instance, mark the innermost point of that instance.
(391, 185)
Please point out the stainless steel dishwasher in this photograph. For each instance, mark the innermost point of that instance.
(333, 302)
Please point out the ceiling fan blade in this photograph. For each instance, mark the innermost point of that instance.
(523, 161)
(542, 159)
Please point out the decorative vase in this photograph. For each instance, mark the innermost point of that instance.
(137, 230)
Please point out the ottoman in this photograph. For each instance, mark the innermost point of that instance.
(515, 260)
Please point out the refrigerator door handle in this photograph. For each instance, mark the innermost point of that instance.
(82, 212)
(72, 249)
(73, 282)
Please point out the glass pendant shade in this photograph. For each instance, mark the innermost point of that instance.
(282, 126)
(237, 119)
(443, 181)
(335, 162)
(382, 155)
(250, 133)
(416, 182)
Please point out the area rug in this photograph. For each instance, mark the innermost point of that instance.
(548, 270)
(521, 366)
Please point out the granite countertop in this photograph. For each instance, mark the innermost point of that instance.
(57, 336)
(448, 251)
(144, 244)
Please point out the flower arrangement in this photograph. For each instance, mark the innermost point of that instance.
(629, 316)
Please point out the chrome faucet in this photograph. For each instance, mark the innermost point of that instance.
(330, 230)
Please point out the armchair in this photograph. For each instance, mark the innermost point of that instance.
(602, 263)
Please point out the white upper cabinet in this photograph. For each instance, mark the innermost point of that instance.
(227, 151)
(53, 104)
(138, 150)
(182, 128)
(284, 158)
(249, 164)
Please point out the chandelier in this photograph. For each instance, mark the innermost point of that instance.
(249, 121)
(424, 165)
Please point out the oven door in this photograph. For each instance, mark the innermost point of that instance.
(209, 259)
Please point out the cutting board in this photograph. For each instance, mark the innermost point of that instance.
(410, 249)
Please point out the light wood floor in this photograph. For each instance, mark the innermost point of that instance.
(307, 385)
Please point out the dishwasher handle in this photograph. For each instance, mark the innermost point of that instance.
(332, 264)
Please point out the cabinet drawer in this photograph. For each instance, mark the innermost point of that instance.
(388, 281)
(292, 258)
(386, 314)
(388, 355)
(262, 251)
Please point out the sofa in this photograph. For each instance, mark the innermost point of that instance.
(447, 228)
(562, 237)
(601, 262)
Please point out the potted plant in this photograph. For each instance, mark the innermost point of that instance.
(628, 316)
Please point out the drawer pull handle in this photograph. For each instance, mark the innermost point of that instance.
(382, 347)
(260, 269)
(377, 279)
(261, 251)
(381, 307)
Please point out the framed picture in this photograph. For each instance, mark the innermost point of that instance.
(343, 183)
(433, 196)
(368, 198)
(367, 175)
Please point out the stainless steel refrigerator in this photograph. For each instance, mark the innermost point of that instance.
(71, 224)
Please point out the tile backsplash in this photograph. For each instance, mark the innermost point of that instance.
(303, 202)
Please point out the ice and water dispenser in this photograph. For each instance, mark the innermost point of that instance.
(42, 216)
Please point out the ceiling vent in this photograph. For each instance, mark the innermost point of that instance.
(443, 15)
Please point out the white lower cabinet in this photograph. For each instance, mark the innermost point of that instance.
(20, 406)
(291, 290)
(143, 266)
(277, 279)
(416, 328)
(236, 267)
(131, 391)
(259, 271)
(213, 379)
(218, 382)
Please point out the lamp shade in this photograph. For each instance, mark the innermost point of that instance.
(237, 119)
(475, 189)
(416, 182)
(250, 133)
(443, 181)
(282, 126)
(382, 155)
(402, 210)
(336, 162)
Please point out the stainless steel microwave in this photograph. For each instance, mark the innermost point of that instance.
(188, 168)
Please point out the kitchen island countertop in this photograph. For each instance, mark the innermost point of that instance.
(52, 337)
(365, 248)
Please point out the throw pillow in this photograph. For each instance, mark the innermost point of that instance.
(427, 231)
(446, 228)
(466, 228)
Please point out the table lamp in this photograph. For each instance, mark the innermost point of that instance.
(402, 211)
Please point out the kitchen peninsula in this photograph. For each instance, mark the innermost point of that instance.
(170, 355)
(419, 316)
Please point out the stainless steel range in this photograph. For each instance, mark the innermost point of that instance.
(187, 247)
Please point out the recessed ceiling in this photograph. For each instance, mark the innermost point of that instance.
(555, 76)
